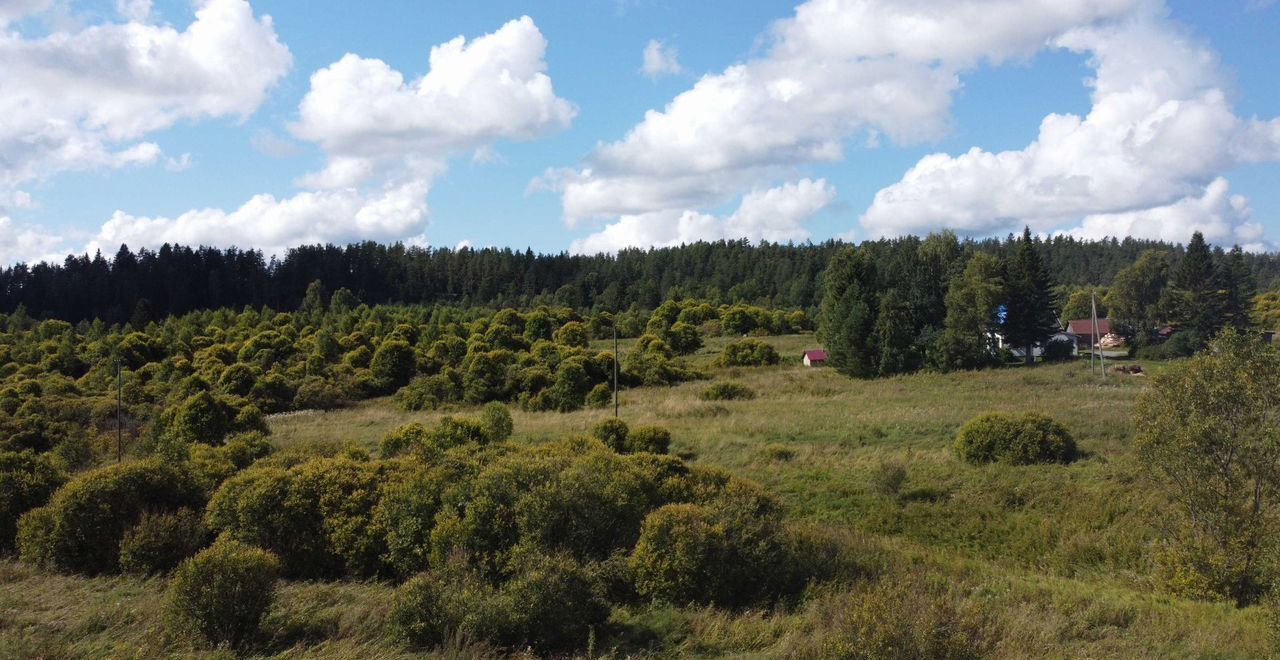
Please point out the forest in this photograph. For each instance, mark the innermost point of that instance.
(452, 468)
(150, 285)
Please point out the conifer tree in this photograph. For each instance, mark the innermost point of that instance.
(848, 313)
(1029, 318)
(1195, 297)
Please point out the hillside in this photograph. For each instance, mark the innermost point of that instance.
(1034, 561)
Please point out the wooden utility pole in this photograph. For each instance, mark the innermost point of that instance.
(615, 365)
(119, 413)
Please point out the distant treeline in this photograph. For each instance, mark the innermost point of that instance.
(151, 284)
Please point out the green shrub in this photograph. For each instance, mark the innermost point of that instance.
(731, 551)
(651, 439)
(1015, 438)
(224, 591)
(496, 421)
(748, 353)
(592, 507)
(549, 604)
(392, 365)
(81, 527)
(727, 391)
(600, 396)
(612, 432)
(27, 480)
(202, 418)
(317, 517)
(160, 541)
(402, 439)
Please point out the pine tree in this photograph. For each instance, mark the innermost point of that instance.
(847, 316)
(1029, 318)
(1235, 289)
(1195, 299)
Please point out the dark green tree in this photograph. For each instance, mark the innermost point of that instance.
(1029, 319)
(1195, 301)
(847, 317)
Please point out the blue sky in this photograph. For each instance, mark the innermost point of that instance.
(794, 122)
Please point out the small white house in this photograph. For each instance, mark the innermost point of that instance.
(815, 357)
(1038, 349)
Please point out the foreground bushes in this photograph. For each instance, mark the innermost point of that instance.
(748, 353)
(160, 541)
(27, 479)
(81, 528)
(1018, 439)
(224, 592)
(550, 603)
(727, 391)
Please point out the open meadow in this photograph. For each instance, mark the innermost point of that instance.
(1032, 561)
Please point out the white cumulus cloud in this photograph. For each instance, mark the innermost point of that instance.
(1145, 161)
(777, 214)
(836, 69)
(385, 140)
(495, 87)
(660, 59)
(82, 99)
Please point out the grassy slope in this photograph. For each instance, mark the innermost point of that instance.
(1056, 555)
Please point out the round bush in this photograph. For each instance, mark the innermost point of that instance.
(81, 527)
(496, 421)
(748, 353)
(160, 541)
(731, 552)
(27, 479)
(600, 396)
(612, 432)
(224, 591)
(651, 439)
(549, 603)
(728, 391)
(1015, 438)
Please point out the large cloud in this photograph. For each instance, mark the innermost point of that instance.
(837, 68)
(385, 140)
(364, 114)
(1149, 152)
(395, 212)
(776, 214)
(78, 100)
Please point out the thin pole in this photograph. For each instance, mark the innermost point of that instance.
(119, 415)
(615, 365)
(1093, 319)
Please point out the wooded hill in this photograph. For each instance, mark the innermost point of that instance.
(152, 284)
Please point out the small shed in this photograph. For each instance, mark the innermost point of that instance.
(815, 357)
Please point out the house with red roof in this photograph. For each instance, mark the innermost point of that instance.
(815, 357)
(1084, 333)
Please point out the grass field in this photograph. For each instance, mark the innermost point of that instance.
(1045, 561)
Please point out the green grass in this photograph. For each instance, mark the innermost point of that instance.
(1049, 561)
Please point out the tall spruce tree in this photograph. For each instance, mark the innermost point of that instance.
(1029, 319)
(847, 316)
(1195, 297)
(1235, 290)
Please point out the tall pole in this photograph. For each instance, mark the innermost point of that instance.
(119, 415)
(1093, 326)
(615, 365)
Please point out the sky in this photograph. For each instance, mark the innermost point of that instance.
(593, 125)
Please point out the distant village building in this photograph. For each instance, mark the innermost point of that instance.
(1038, 349)
(815, 357)
(1082, 329)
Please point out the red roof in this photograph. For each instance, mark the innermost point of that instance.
(815, 354)
(1084, 327)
